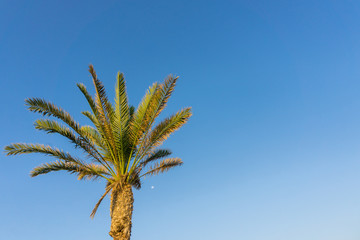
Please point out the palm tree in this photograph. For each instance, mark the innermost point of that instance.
(123, 145)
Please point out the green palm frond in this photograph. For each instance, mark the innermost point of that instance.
(156, 104)
(92, 118)
(161, 98)
(94, 171)
(51, 126)
(105, 113)
(49, 109)
(88, 145)
(121, 120)
(87, 171)
(152, 105)
(131, 111)
(164, 166)
(158, 154)
(99, 129)
(54, 166)
(102, 103)
(164, 129)
(99, 136)
(122, 112)
(88, 97)
(171, 124)
(94, 136)
(166, 90)
(138, 122)
(23, 148)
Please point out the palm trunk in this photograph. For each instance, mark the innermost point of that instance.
(121, 212)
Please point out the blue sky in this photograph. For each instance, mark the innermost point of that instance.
(271, 153)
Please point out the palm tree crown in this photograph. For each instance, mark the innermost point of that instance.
(124, 143)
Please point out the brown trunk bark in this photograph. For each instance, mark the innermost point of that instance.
(121, 212)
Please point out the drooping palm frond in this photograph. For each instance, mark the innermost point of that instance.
(23, 148)
(54, 166)
(88, 171)
(107, 190)
(164, 166)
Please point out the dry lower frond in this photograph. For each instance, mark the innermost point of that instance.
(107, 190)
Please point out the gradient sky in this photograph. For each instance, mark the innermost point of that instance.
(271, 153)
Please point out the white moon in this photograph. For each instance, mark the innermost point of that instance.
(152, 187)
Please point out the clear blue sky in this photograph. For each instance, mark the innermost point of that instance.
(271, 153)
